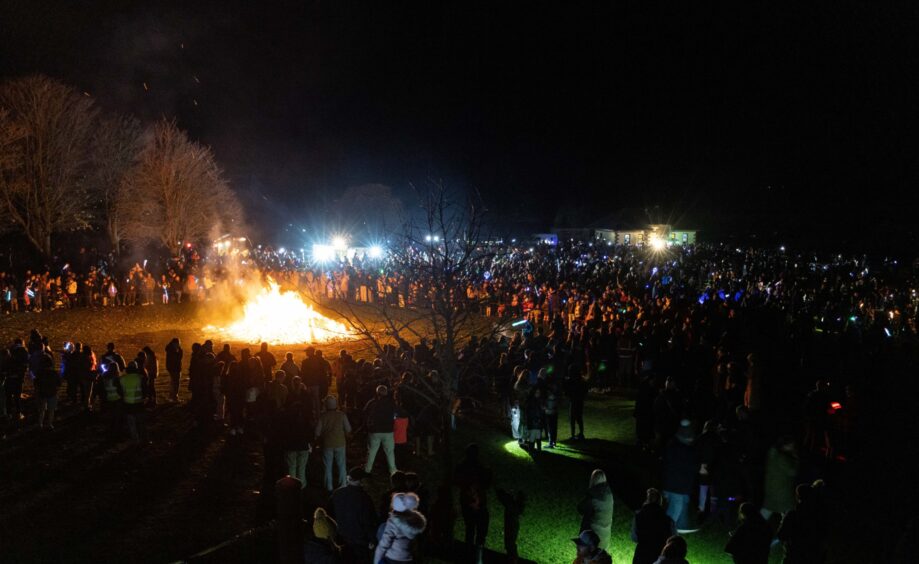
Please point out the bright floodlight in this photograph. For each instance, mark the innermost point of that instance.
(323, 253)
(282, 250)
(375, 252)
(658, 244)
(427, 238)
(436, 238)
(339, 243)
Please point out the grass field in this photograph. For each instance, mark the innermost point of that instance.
(555, 480)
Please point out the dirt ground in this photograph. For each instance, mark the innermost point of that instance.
(75, 495)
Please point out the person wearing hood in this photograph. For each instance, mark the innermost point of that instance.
(651, 528)
(322, 548)
(589, 551)
(404, 524)
(596, 508)
(680, 466)
(674, 551)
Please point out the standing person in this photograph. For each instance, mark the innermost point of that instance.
(267, 359)
(651, 528)
(750, 542)
(109, 378)
(235, 392)
(535, 418)
(325, 374)
(226, 358)
(801, 530)
(550, 407)
(68, 372)
(680, 466)
(4, 365)
(152, 368)
(473, 480)
(404, 523)
(596, 508)
(311, 373)
(379, 414)
(781, 469)
(17, 367)
(352, 507)
(46, 385)
(132, 397)
(255, 382)
(87, 367)
(589, 551)
(300, 425)
(576, 388)
(514, 504)
(174, 367)
(332, 431)
(113, 356)
(290, 367)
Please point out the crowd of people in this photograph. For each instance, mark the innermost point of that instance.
(717, 344)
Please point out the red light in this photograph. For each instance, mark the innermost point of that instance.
(188, 245)
(836, 405)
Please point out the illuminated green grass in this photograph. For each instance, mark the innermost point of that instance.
(555, 480)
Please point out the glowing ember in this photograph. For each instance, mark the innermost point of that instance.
(282, 318)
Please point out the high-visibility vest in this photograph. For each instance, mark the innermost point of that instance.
(111, 390)
(131, 385)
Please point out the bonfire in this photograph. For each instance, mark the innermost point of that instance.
(281, 318)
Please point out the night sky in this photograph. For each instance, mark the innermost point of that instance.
(791, 117)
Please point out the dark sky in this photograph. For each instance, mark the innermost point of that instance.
(733, 116)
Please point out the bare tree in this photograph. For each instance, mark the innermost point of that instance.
(176, 192)
(116, 147)
(45, 143)
(443, 257)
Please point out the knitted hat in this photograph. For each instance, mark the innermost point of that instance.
(331, 403)
(404, 502)
(324, 527)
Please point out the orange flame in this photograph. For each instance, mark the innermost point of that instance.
(282, 318)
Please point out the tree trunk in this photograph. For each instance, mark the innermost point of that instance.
(447, 450)
(114, 239)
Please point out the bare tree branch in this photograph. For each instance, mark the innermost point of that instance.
(45, 164)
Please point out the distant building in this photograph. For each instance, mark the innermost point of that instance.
(573, 233)
(545, 238)
(625, 236)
